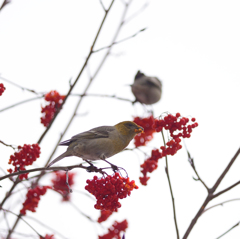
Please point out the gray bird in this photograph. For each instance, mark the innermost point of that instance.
(146, 89)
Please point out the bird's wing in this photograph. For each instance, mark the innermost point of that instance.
(150, 81)
(99, 132)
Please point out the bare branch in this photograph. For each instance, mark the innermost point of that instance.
(21, 102)
(5, 2)
(191, 161)
(8, 145)
(21, 87)
(170, 186)
(120, 41)
(237, 224)
(47, 226)
(137, 13)
(225, 190)
(210, 195)
(221, 204)
(19, 217)
(102, 5)
(108, 96)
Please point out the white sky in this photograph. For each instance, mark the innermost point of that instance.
(192, 46)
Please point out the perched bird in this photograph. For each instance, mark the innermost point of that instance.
(101, 142)
(146, 89)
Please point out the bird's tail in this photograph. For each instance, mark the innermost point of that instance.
(66, 154)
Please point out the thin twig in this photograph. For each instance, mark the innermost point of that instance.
(9, 193)
(120, 41)
(136, 13)
(100, 95)
(102, 5)
(170, 186)
(5, 2)
(47, 226)
(21, 102)
(225, 190)
(8, 145)
(19, 217)
(220, 204)
(82, 213)
(237, 224)
(210, 195)
(21, 87)
(191, 161)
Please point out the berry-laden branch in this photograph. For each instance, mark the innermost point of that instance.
(65, 168)
(178, 127)
(211, 195)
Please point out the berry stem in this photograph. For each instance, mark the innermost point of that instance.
(170, 186)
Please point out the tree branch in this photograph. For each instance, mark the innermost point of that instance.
(210, 195)
(237, 224)
(220, 204)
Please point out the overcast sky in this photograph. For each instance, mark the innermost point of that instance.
(192, 46)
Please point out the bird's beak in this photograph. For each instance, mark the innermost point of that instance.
(139, 130)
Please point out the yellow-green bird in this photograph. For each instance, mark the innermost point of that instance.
(101, 142)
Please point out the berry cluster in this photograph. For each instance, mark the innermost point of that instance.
(59, 184)
(175, 123)
(33, 198)
(24, 157)
(48, 237)
(178, 127)
(2, 88)
(115, 230)
(55, 101)
(105, 214)
(149, 166)
(108, 190)
(147, 135)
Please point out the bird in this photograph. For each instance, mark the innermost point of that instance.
(100, 143)
(147, 90)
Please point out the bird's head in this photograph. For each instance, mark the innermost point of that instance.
(129, 129)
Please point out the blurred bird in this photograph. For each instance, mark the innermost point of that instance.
(100, 143)
(146, 89)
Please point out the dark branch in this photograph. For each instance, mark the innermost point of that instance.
(8, 145)
(210, 195)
